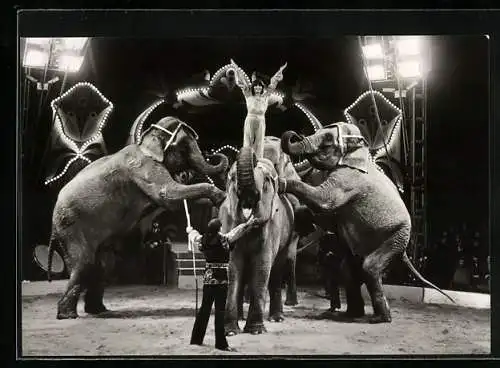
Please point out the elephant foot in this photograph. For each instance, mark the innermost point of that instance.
(232, 328)
(66, 309)
(96, 309)
(291, 301)
(277, 317)
(379, 319)
(67, 315)
(255, 329)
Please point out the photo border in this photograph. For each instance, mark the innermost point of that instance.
(279, 23)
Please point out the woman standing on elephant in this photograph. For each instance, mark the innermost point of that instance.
(258, 97)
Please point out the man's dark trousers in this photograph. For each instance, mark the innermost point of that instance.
(211, 294)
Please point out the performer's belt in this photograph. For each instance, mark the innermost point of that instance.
(216, 265)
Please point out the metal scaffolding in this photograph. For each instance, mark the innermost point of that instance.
(411, 97)
(417, 101)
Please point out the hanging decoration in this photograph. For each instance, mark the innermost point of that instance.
(205, 94)
(79, 116)
(383, 140)
(362, 113)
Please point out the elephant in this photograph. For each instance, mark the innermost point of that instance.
(289, 282)
(360, 203)
(109, 196)
(260, 258)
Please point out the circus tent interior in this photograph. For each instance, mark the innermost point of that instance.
(85, 98)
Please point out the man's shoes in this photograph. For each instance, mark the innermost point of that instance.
(227, 348)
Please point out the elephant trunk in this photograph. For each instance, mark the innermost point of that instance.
(301, 146)
(247, 190)
(201, 165)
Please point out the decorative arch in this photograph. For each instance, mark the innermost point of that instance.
(79, 116)
(382, 140)
(204, 95)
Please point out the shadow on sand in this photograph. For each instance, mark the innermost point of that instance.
(139, 313)
(337, 317)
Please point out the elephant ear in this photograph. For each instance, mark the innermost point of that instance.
(151, 147)
(357, 156)
(286, 169)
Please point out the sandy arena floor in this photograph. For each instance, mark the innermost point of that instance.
(150, 320)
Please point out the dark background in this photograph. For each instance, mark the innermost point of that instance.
(133, 72)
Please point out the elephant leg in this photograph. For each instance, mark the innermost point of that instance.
(353, 281)
(81, 260)
(243, 297)
(95, 290)
(291, 290)
(246, 293)
(373, 266)
(241, 293)
(231, 326)
(259, 279)
(274, 286)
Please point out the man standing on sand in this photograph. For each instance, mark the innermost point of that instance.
(216, 248)
(258, 97)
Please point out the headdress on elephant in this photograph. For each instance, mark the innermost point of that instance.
(168, 128)
(352, 145)
(269, 168)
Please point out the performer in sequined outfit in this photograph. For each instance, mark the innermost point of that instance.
(215, 247)
(258, 97)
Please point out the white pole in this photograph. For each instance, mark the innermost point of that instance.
(191, 247)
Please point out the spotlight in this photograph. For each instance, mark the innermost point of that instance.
(35, 59)
(409, 69)
(74, 43)
(70, 63)
(38, 41)
(373, 51)
(376, 72)
(58, 54)
(408, 46)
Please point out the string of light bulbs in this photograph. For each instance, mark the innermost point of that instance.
(79, 149)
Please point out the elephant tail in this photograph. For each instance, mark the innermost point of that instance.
(416, 273)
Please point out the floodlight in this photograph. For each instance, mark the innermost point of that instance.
(35, 59)
(60, 54)
(39, 41)
(373, 51)
(376, 72)
(74, 43)
(70, 63)
(409, 69)
(408, 46)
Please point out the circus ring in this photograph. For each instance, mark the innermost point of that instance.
(157, 320)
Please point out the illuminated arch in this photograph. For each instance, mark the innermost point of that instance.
(202, 96)
(379, 138)
(357, 114)
(96, 119)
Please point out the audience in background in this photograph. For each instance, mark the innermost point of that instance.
(458, 260)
